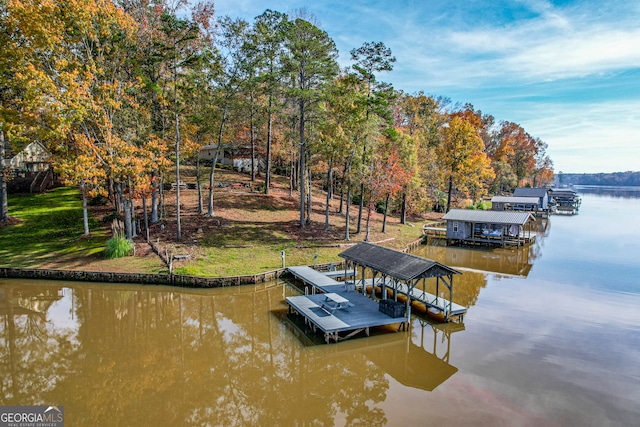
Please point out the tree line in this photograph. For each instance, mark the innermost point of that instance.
(624, 179)
(123, 92)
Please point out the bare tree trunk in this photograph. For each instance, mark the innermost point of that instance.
(384, 219)
(344, 178)
(267, 178)
(368, 226)
(198, 182)
(360, 207)
(85, 214)
(223, 121)
(403, 212)
(163, 207)
(119, 201)
(134, 222)
(155, 186)
(211, 182)
(302, 166)
(309, 195)
(177, 119)
(146, 216)
(449, 192)
(293, 175)
(346, 234)
(4, 204)
(252, 138)
(329, 192)
(127, 219)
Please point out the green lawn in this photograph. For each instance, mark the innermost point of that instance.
(263, 254)
(50, 230)
(50, 235)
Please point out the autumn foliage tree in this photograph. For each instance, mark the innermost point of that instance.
(121, 91)
(387, 177)
(461, 156)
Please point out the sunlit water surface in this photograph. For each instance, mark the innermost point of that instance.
(552, 337)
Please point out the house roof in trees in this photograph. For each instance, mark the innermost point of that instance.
(34, 152)
(394, 263)
(488, 217)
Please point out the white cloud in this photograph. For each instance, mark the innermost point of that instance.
(554, 43)
(603, 137)
(558, 70)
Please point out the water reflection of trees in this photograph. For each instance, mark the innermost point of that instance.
(31, 355)
(153, 356)
(616, 192)
(476, 262)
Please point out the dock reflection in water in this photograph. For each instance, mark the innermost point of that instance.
(551, 341)
(124, 355)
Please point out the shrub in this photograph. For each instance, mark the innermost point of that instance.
(118, 247)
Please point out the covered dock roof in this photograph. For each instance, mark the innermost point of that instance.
(530, 192)
(489, 217)
(400, 265)
(514, 199)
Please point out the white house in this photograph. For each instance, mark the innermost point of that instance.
(33, 158)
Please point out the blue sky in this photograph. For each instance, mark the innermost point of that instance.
(567, 71)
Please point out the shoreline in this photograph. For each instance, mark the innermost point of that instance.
(166, 279)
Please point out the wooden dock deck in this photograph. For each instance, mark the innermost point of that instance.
(360, 314)
(324, 283)
(314, 278)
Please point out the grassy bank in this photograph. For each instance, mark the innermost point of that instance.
(49, 228)
(49, 234)
(245, 236)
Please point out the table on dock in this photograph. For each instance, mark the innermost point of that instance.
(361, 314)
(336, 310)
(332, 302)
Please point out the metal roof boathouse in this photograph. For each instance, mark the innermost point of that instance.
(565, 201)
(500, 228)
(512, 203)
(338, 308)
(401, 273)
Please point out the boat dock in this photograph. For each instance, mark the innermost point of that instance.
(339, 309)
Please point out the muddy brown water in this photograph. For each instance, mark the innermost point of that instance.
(552, 337)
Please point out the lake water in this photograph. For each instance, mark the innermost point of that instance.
(551, 338)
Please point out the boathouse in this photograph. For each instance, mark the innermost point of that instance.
(565, 200)
(489, 227)
(402, 273)
(513, 203)
(542, 194)
(340, 311)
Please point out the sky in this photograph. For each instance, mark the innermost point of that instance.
(567, 71)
